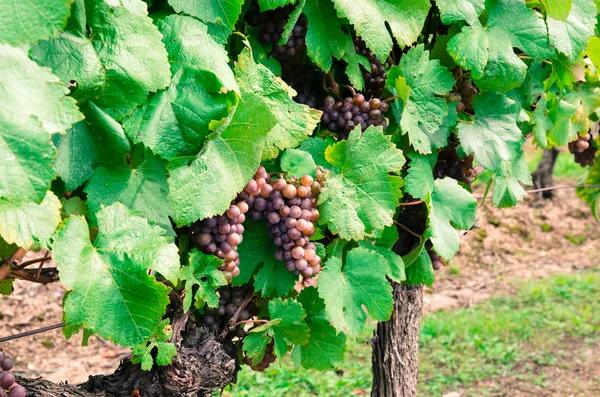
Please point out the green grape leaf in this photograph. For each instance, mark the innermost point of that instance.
(404, 17)
(6, 287)
(360, 195)
(347, 287)
(420, 271)
(553, 126)
(592, 195)
(460, 10)
(439, 139)
(165, 351)
(229, 160)
(266, 5)
(558, 9)
(493, 135)
(33, 105)
(121, 302)
(73, 206)
(220, 12)
(450, 207)
(272, 278)
(325, 347)
(142, 188)
(97, 140)
(593, 51)
(25, 22)
(298, 163)
(291, 329)
(203, 273)
(255, 344)
(497, 142)
(316, 147)
(114, 55)
(570, 36)
(423, 111)
(508, 191)
(325, 38)
(28, 224)
(586, 100)
(175, 122)
(191, 48)
(419, 181)
(294, 121)
(395, 264)
(487, 51)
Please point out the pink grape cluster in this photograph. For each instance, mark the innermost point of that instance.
(289, 208)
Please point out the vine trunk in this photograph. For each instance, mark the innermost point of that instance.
(395, 358)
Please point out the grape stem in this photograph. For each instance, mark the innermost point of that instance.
(248, 321)
(392, 98)
(33, 332)
(349, 88)
(16, 257)
(31, 262)
(408, 230)
(411, 203)
(237, 314)
(335, 87)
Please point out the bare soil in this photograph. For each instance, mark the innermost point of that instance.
(535, 239)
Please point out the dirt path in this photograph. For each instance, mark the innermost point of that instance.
(511, 244)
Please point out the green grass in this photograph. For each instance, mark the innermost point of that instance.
(461, 347)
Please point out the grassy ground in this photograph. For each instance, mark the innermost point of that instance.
(463, 349)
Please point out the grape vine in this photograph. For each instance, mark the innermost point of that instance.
(230, 166)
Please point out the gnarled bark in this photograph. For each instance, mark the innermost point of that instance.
(395, 359)
(203, 364)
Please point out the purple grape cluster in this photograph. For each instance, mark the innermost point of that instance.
(303, 80)
(584, 150)
(8, 386)
(450, 165)
(266, 361)
(289, 210)
(221, 235)
(271, 26)
(374, 77)
(343, 117)
(230, 299)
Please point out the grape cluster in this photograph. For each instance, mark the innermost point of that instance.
(267, 360)
(303, 80)
(8, 386)
(450, 165)
(343, 117)
(374, 77)
(271, 26)
(289, 210)
(464, 94)
(230, 299)
(583, 150)
(221, 235)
